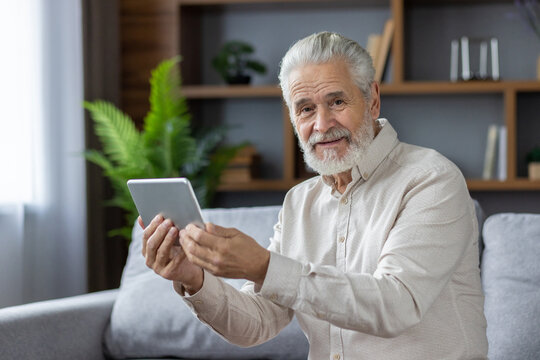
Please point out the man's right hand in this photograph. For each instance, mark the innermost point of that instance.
(167, 259)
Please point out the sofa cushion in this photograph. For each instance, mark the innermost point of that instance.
(511, 281)
(150, 320)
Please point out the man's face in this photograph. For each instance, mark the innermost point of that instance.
(333, 121)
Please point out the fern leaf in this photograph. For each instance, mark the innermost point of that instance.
(183, 145)
(122, 143)
(206, 142)
(124, 232)
(212, 173)
(167, 132)
(99, 159)
(166, 101)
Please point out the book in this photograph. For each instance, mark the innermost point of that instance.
(454, 62)
(384, 49)
(236, 175)
(245, 156)
(502, 163)
(489, 159)
(372, 47)
(243, 167)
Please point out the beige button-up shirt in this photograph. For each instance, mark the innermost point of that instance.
(386, 270)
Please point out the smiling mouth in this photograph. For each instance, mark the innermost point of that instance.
(330, 142)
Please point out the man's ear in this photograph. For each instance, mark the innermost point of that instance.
(375, 102)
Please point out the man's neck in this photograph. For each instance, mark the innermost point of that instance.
(342, 179)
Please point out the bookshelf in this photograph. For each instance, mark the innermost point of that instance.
(163, 28)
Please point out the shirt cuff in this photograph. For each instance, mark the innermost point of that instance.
(208, 301)
(282, 279)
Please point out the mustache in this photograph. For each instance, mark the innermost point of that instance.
(334, 133)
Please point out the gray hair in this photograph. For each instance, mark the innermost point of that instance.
(324, 47)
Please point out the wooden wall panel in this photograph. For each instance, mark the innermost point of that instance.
(148, 34)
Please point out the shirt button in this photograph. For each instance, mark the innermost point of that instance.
(198, 302)
(273, 297)
(344, 201)
(337, 357)
(342, 239)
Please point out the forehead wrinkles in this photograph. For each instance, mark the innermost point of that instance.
(307, 89)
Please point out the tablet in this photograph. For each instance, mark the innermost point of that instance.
(172, 198)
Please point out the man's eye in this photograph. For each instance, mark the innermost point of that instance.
(306, 109)
(338, 102)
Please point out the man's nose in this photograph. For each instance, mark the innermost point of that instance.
(324, 120)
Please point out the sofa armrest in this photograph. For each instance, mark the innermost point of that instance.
(68, 328)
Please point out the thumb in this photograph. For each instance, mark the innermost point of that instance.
(220, 230)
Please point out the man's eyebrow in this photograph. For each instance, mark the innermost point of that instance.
(301, 102)
(334, 94)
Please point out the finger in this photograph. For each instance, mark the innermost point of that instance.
(164, 252)
(203, 237)
(197, 254)
(155, 241)
(220, 231)
(175, 262)
(150, 230)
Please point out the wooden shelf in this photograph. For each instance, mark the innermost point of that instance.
(469, 87)
(520, 184)
(227, 92)
(261, 185)
(405, 88)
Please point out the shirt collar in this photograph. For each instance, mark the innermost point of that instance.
(376, 152)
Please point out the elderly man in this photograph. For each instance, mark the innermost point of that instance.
(377, 256)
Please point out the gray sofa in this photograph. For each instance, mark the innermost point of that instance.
(146, 319)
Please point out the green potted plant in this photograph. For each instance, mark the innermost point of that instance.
(533, 159)
(234, 64)
(165, 147)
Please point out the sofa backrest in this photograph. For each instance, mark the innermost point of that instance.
(257, 222)
(511, 283)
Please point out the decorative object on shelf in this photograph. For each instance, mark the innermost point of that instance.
(530, 11)
(502, 168)
(165, 147)
(476, 48)
(372, 46)
(233, 62)
(495, 157)
(533, 159)
(490, 153)
(242, 168)
(378, 46)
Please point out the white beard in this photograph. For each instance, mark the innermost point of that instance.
(331, 163)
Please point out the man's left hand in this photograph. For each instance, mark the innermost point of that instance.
(225, 252)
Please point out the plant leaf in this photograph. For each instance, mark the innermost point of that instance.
(256, 66)
(212, 173)
(120, 139)
(166, 100)
(167, 131)
(207, 140)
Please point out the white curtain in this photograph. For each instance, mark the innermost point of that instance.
(42, 179)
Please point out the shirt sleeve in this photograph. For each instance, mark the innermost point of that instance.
(425, 246)
(241, 317)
